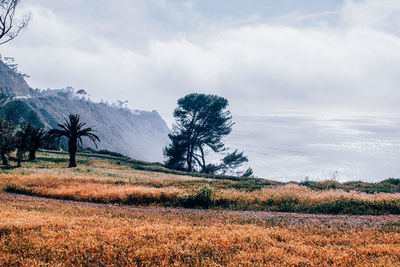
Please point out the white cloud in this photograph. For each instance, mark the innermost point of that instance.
(257, 66)
(380, 15)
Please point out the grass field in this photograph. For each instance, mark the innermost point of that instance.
(37, 231)
(133, 213)
(103, 179)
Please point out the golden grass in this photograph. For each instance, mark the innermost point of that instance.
(56, 233)
(303, 193)
(39, 232)
(290, 197)
(54, 166)
(108, 181)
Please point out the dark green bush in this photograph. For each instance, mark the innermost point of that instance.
(11, 188)
(201, 198)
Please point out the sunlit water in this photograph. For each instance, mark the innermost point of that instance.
(289, 147)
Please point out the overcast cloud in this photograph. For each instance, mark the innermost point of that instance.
(340, 57)
(313, 85)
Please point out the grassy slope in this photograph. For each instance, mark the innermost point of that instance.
(108, 179)
(41, 231)
(49, 232)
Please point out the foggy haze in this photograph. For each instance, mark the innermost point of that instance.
(313, 87)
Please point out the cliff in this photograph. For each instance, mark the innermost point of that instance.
(138, 134)
(12, 83)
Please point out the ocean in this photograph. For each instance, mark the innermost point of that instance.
(297, 147)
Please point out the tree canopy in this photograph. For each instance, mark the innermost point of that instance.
(201, 123)
(7, 140)
(74, 130)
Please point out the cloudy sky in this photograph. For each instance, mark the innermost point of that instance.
(327, 56)
(313, 85)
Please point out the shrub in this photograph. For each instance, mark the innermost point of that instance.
(202, 197)
(391, 181)
(11, 188)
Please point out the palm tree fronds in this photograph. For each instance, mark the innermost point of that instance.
(73, 128)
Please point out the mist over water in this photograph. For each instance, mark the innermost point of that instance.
(293, 147)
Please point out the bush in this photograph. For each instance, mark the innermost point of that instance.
(202, 197)
(11, 188)
(103, 152)
(391, 181)
(250, 185)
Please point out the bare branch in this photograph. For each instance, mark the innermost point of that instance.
(9, 26)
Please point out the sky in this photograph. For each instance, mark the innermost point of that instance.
(330, 60)
(317, 56)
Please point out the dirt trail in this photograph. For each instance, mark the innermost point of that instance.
(271, 217)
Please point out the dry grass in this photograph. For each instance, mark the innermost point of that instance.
(111, 181)
(291, 198)
(41, 232)
(297, 198)
(54, 166)
(57, 233)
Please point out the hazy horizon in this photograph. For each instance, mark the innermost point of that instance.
(313, 86)
(306, 146)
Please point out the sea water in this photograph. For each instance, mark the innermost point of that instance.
(298, 147)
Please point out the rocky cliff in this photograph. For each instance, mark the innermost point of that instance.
(12, 83)
(138, 134)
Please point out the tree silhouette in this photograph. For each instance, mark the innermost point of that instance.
(22, 143)
(35, 141)
(74, 131)
(7, 140)
(10, 27)
(201, 122)
(234, 161)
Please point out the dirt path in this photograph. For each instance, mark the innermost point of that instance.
(268, 217)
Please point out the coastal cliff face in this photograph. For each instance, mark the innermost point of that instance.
(12, 83)
(138, 134)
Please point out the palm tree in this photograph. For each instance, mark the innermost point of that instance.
(22, 143)
(36, 136)
(74, 131)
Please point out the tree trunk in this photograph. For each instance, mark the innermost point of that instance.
(4, 159)
(203, 158)
(19, 158)
(32, 155)
(72, 149)
(190, 157)
(189, 162)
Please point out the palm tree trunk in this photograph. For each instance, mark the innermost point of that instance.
(72, 149)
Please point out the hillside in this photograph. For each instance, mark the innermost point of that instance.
(12, 83)
(138, 134)
(67, 216)
(109, 179)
